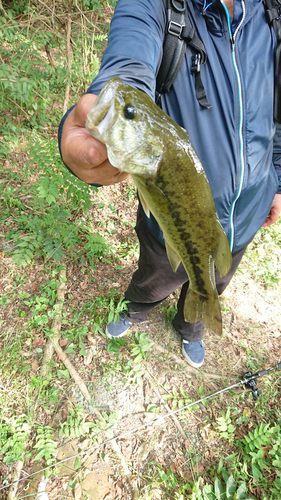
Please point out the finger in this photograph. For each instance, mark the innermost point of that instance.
(82, 109)
(272, 217)
(79, 149)
(266, 222)
(103, 174)
(82, 153)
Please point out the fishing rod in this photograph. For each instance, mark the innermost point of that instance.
(248, 380)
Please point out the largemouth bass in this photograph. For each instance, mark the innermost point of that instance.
(142, 140)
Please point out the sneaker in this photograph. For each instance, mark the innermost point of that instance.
(194, 353)
(119, 328)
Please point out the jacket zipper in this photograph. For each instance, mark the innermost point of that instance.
(241, 115)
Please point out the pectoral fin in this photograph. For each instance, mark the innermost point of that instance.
(173, 257)
(222, 255)
(144, 204)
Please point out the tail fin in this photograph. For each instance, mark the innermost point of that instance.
(203, 308)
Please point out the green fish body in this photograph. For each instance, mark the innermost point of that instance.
(145, 142)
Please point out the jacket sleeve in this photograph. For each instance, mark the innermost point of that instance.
(134, 49)
(277, 154)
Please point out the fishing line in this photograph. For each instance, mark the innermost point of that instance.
(248, 380)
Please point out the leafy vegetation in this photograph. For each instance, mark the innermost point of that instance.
(49, 54)
(13, 437)
(75, 424)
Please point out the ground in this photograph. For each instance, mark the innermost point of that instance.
(133, 392)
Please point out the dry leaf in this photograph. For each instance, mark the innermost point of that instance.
(119, 488)
(187, 444)
(173, 468)
(77, 491)
(38, 342)
(91, 339)
(247, 412)
(88, 358)
(63, 342)
(34, 365)
(199, 468)
(266, 449)
(65, 412)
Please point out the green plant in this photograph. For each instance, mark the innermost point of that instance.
(262, 449)
(45, 445)
(179, 399)
(255, 442)
(224, 487)
(115, 344)
(141, 345)
(170, 311)
(76, 335)
(225, 427)
(133, 372)
(171, 481)
(221, 490)
(106, 422)
(14, 434)
(75, 425)
(115, 309)
(163, 483)
(60, 203)
(131, 191)
(262, 259)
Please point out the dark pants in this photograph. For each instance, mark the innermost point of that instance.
(155, 280)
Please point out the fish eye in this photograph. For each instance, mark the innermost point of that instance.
(129, 112)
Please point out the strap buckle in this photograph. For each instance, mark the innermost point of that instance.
(196, 63)
(175, 29)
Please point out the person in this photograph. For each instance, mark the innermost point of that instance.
(236, 139)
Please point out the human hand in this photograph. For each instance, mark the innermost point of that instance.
(275, 211)
(82, 153)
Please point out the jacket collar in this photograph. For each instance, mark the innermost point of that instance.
(214, 13)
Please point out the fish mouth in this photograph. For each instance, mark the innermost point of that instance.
(101, 115)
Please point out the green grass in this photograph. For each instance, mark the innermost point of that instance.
(262, 260)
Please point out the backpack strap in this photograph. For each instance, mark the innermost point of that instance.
(179, 34)
(273, 17)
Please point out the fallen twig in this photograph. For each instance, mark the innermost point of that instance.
(3, 10)
(53, 345)
(82, 386)
(14, 485)
(56, 326)
(68, 58)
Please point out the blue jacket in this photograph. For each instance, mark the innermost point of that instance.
(237, 141)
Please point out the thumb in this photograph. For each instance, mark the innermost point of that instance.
(82, 109)
(79, 149)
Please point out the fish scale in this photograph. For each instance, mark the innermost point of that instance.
(172, 185)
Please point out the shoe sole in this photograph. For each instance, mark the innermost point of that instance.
(190, 362)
